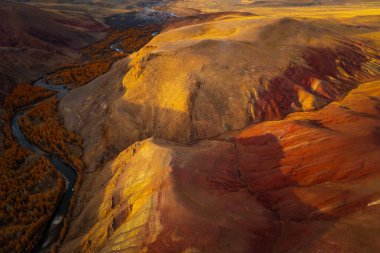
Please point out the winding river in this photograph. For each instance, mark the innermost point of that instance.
(54, 226)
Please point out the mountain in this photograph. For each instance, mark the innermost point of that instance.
(273, 7)
(241, 126)
(302, 184)
(231, 70)
(35, 41)
(234, 132)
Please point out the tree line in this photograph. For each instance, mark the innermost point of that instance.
(41, 126)
(30, 186)
(99, 56)
(30, 189)
(22, 95)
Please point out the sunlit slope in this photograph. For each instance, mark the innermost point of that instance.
(301, 175)
(280, 8)
(207, 75)
(307, 183)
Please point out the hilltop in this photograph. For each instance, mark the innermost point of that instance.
(204, 126)
(302, 184)
(234, 131)
(231, 70)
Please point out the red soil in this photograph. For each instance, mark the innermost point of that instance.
(302, 177)
(322, 75)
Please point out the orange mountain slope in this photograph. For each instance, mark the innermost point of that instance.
(197, 81)
(307, 183)
(265, 137)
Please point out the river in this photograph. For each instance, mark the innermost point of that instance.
(54, 226)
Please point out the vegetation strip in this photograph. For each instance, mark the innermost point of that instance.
(31, 188)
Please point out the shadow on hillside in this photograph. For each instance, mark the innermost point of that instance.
(220, 216)
(272, 184)
(235, 195)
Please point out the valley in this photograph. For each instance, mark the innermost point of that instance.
(33, 130)
(191, 126)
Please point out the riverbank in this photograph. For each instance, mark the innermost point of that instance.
(33, 126)
(31, 187)
(52, 231)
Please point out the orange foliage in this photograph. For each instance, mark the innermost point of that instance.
(24, 94)
(133, 39)
(30, 189)
(42, 127)
(30, 186)
(100, 56)
(79, 75)
(101, 48)
(130, 40)
(21, 95)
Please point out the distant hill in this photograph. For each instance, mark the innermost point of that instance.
(34, 42)
(299, 2)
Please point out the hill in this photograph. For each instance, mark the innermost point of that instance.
(235, 132)
(230, 71)
(303, 184)
(289, 8)
(35, 41)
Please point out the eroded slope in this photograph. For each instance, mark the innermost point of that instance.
(198, 80)
(307, 183)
